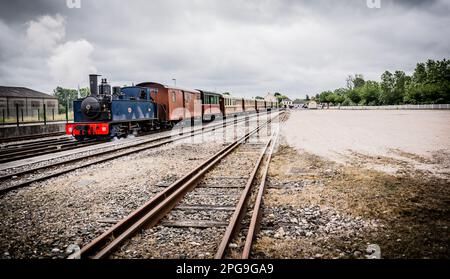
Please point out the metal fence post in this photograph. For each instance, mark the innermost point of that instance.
(235, 127)
(45, 115)
(67, 113)
(247, 128)
(21, 111)
(17, 114)
(3, 113)
(39, 115)
(53, 113)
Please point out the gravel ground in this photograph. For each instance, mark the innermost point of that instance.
(44, 219)
(359, 184)
(317, 208)
(170, 242)
(74, 208)
(55, 158)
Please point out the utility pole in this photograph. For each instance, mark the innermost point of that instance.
(67, 108)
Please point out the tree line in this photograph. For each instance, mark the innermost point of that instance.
(67, 96)
(429, 84)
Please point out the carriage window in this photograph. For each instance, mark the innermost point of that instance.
(174, 96)
(143, 94)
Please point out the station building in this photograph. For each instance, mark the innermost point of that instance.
(287, 102)
(30, 102)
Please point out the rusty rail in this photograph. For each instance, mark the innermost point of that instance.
(236, 220)
(257, 213)
(154, 210)
(238, 215)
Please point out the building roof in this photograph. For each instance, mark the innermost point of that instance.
(22, 92)
(287, 100)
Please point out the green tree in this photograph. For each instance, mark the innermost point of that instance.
(354, 96)
(358, 81)
(370, 93)
(420, 74)
(387, 88)
(67, 96)
(430, 83)
(398, 92)
(324, 97)
(280, 97)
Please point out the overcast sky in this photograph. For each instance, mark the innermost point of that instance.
(245, 47)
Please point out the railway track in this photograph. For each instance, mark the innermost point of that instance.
(25, 151)
(26, 177)
(25, 138)
(172, 207)
(25, 144)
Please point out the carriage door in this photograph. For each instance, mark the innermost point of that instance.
(211, 104)
(222, 106)
(184, 104)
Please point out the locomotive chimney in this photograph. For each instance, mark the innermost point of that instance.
(93, 82)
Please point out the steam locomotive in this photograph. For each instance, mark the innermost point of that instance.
(118, 111)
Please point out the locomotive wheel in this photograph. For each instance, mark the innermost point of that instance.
(79, 138)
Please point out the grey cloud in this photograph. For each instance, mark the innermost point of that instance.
(246, 47)
(18, 11)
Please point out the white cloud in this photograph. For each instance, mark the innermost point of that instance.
(45, 33)
(71, 63)
(40, 56)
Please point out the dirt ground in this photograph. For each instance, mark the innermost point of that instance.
(405, 211)
(418, 138)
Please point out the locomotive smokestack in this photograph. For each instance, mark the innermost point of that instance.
(93, 82)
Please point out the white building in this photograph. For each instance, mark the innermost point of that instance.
(287, 102)
(312, 104)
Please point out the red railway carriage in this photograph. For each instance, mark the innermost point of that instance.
(233, 105)
(212, 105)
(261, 105)
(175, 104)
(250, 105)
